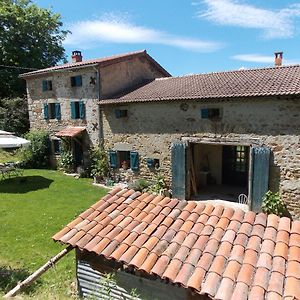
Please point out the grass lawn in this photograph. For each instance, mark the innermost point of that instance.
(32, 209)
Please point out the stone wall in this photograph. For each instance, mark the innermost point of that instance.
(150, 128)
(127, 74)
(63, 93)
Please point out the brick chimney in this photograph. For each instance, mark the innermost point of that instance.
(76, 56)
(278, 59)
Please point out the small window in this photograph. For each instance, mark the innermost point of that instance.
(124, 159)
(76, 80)
(121, 113)
(77, 110)
(210, 113)
(47, 85)
(56, 147)
(52, 111)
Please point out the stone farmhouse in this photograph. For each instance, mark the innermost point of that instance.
(212, 136)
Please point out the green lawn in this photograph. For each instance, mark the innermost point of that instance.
(32, 209)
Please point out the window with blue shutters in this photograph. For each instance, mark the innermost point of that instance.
(124, 159)
(77, 110)
(76, 81)
(52, 111)
(47, 85)
(210, 113)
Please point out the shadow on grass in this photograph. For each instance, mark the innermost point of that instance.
(25, 184)
(9, 278)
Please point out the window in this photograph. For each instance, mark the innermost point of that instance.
(77, 110)
(124, 159)
(47, 85)
(52, 111)
(56, 146)
(121, 113)
(210, 113)
(76, 80)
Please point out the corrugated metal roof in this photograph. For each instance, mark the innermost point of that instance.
(241, 83)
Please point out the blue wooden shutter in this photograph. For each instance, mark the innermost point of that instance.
(45, 85)
(134, 160)
(46, 111)
(81, 110)
(78, 80)
(73, 110)
(113, 159)
(57, 111)
(204, 113)
(260, 176)
(179, 159)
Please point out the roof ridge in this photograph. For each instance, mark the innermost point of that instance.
(230, 71)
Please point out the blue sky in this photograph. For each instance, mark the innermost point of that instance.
(185, 37)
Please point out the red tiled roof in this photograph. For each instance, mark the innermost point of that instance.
(104, 61)
(70, 132)
(242, 83)
(212, 250)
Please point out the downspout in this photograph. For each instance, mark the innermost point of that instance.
(100, 118)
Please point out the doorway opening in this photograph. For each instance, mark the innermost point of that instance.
(218, 172)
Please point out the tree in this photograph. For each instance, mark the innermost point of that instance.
(14, 115)
(30, 38)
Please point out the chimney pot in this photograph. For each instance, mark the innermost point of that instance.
(278, 59)
(76, 56)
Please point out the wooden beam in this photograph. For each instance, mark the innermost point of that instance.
(29, 280)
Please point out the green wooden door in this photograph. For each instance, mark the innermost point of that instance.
(179, 169)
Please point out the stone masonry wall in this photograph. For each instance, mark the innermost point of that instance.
(125, 75)
(63, 93)
(150, 128)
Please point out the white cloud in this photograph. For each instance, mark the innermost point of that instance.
(273, 23)
(254, 58)
(86, 34)
(264, 59)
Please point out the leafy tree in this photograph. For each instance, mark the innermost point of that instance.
(30, 38)
(14, 115)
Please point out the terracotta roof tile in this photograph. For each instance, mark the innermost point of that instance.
(231, 84)
(225, 289)
(211, 250)
(240, 292)
(276, 283)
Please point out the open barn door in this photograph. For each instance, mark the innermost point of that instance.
(260, 176)
(179, 169)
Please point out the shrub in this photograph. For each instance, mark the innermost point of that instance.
(66, 162)
(272, 204)
(99, 163)
(159, 185)
(139, 185)
(36, 155)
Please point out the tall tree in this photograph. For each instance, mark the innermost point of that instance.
(30, 38)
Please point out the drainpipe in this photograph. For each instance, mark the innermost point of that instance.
(100, 119)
